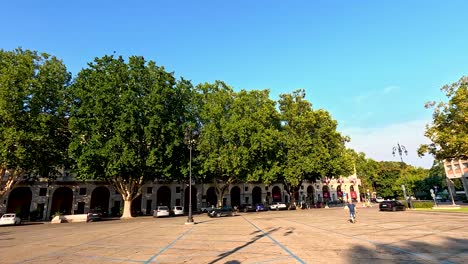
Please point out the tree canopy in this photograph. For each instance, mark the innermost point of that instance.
(33, 116)
(311, 147)
(126, 123)
(449, 129)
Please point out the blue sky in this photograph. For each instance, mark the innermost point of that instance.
(372, 64)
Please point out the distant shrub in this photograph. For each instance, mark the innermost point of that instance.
(423, 204)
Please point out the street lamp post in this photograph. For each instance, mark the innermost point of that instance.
(400, 149)
(190, 142)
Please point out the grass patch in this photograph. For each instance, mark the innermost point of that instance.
(461, 210)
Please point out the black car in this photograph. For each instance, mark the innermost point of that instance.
(223, 211)
(94, 215)
(392, 206)
(247, 208)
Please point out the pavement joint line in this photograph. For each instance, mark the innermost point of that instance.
(168, 246)
(276, 242)
(419, 255)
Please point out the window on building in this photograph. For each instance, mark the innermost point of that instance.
(266, 188)
(177, 202)
(82, 191)
(149, 190)
(42, 191)
(465, 165)
(246, 188)
(177, 189)
(246, 200)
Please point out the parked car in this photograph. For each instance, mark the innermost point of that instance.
(161, 211)
(94, 215)
(392, 206)
(10, 219)
(379, 199)
(207, 208)
(260, 207)
(278, 206)
(177, 210)
(223, 211)
(246, 208)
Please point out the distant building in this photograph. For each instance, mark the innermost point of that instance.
(41, 200)
(456, 169)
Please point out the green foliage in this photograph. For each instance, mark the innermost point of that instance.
(311, 147)
(449, 130)
(422, 204)
(33, 111)
(127, 122)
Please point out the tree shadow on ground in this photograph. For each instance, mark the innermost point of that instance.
(450, 250)
(253, 240)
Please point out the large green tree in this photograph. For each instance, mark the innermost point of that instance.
(127, 123)
(33, 123)
(448, 132)
(311, 146)
(238, 136)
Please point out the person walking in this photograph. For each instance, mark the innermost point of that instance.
(352, 212)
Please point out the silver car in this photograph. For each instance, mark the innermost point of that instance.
(161, 211)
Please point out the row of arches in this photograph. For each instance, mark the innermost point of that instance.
(20, 198)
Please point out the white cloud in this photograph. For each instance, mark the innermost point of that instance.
(390, 89)
(378, 143)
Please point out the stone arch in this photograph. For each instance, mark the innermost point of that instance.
(276, 194)
(211, 197)
(256, 195)
(163, 196)
(62, 201)
(100, 199)
(194, 199)
(325, 192)
(136, 206)
(310, 194)
(19, 202)
(235, 196)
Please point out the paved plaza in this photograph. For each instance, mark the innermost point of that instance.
(302, 236)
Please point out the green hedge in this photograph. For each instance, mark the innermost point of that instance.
(421, 204)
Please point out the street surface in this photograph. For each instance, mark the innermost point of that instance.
(302, 236)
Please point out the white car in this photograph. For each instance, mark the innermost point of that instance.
(10, 219)
(278, 206)
(379, 199)
(161, 211)
(177, 210)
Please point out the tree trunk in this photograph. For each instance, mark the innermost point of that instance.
(129, 189)
(8, 181)
(127, 212)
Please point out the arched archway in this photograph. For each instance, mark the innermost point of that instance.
(62, 200)
(211, 197)
(19, 202)
(163, 197)
(325, 192)
(276, 194)
(256, 195)
(194, 199)
(235, 196)
(136, 206)
(310, 194)
(100, 199)
(339, 193)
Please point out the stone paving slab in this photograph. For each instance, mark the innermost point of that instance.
(301, 236)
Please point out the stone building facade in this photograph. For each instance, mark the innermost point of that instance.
(42, 199)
